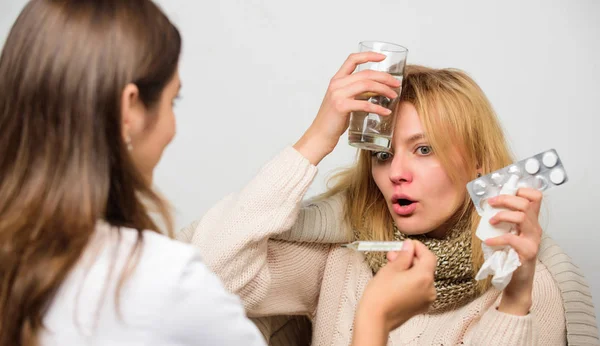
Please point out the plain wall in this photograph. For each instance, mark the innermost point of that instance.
(255, 71)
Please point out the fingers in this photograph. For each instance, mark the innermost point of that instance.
(526, 199)
(365, 86)
(392, 255)
(356, 59)
(423, 271)
(378, 76)
(525, 225)
(526, 249)
(424, 258)
(534, 196)
(349, 105)
(402, 260)
(350, 92)
(509, 202)
(516, 217)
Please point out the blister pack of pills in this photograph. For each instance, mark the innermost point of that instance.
(543, 172)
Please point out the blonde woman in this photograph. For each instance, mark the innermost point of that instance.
(284, 259)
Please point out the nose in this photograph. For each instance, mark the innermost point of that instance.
(400, 171)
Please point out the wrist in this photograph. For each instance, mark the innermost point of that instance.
(517, 303)
(374, 314)
(370, 329)
(313, 148)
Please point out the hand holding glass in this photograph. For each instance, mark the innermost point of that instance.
(372, 131)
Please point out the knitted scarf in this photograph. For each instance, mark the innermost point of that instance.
(454, 275)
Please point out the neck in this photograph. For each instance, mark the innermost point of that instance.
(438, 233)
(442, 230)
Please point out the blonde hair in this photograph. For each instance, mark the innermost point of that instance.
(463, 131)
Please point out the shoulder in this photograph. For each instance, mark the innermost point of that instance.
(543, 281)
(151, 263)
(196, 307)
(188, 300)
(200, 309)
(557, 270)
(155, 254)
(320, 220)
(157, 247)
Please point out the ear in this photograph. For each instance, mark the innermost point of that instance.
(479, 171)
(132, 112)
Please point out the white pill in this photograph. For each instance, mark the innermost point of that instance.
(557, 176)
(479, 187)
(532, 166)
(497, 178)
(550, 159)
(514, 170)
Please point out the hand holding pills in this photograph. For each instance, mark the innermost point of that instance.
(542, 172)
(509, 201)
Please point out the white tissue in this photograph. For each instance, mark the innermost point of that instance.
(500, 261)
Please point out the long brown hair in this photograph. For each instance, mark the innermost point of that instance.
(63, 163)
(455, 114)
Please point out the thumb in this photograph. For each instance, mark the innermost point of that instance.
(425, 259)
(403, 259)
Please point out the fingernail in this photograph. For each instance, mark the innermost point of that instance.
(406, 245)
(388, 111)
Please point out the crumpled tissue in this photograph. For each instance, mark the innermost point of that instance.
(500, 261)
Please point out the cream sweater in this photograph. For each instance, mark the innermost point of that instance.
(283, 259)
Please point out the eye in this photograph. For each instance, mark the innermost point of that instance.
(424, 150)
(382, 156)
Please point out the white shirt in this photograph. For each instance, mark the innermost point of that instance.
(170, 298)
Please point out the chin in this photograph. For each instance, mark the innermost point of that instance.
(411, 225)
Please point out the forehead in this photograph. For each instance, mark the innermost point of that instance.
(408, 126)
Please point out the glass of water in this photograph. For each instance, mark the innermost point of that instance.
(371, 131)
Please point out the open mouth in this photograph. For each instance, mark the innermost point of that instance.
(405, 202)
(403, 206)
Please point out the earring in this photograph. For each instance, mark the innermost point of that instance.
(128, 143)
(478, 175)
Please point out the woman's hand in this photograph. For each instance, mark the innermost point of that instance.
(401, 289)
(523, 211)
(332, 119)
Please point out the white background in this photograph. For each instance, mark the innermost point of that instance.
(255, 71)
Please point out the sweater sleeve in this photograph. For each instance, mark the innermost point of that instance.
(544, 325)
(236, 240)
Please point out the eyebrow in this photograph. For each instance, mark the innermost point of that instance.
(415, 137)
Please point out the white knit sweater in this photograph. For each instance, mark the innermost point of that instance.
(283, 258)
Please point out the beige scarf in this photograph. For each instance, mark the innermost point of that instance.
(454, 275)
